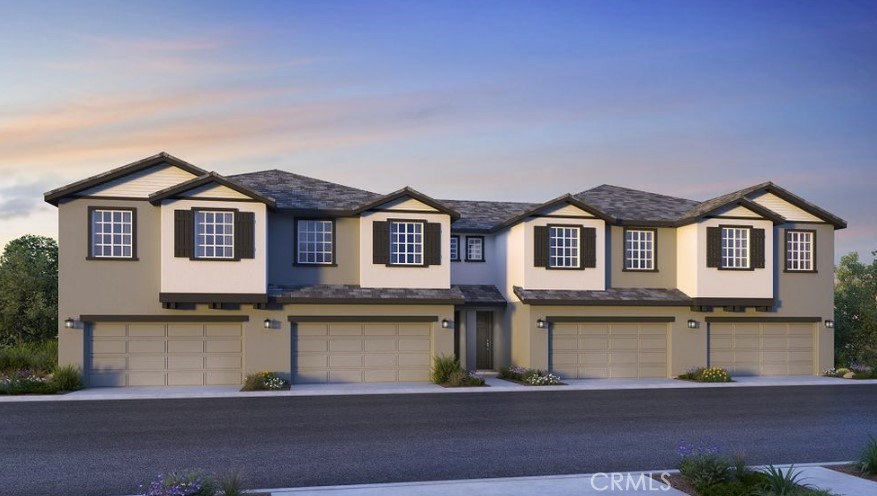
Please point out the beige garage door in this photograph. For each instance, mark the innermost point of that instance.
(362, 352)
(762, 348)
(164, 354)
(604, 350)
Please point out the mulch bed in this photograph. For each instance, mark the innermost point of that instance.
(679, 483)
(851, 470)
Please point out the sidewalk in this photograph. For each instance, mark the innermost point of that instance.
(495, 386)
(573, 485)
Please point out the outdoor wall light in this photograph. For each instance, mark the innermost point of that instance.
(447, 324)
(268, 324)
(69, 323)
(692, 324)
(829, 324)
(541, 324)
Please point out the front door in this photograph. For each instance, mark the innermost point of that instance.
(484, 340)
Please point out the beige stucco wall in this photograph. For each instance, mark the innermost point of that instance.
(282, 251)
(543, 278)
(665, 277)
(373, 275)
(182, 275)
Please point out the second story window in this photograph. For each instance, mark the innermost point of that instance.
(214, 234)
(735, 248)
(112, 233)
(564, 252)
(474, 248)
(406, 243)
(639, 249)
(800, 248)
(455, 248)
(315, 242)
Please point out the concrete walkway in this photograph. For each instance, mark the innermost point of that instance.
(495, 386)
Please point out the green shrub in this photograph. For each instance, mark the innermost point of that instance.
(264, 381)
(37, 357)
(867, 461)
(782, 483)
(732, 488)
(24, 382)
(513, 373)
(703, 374)
(67, 378)
(231, 484)
(442, 368)
(703, 465)
(462, 378)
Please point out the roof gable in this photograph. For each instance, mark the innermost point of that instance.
(551, 206)
(403, 194)
(210, 181)
(104, 183)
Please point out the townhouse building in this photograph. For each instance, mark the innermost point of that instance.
(173, 275)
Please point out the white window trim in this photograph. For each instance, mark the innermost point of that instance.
(112, 240)
(736, 247)
(226, 241)
(640, 251)
(407, 252)
(800, 251)
(567, 254)
(323, 242)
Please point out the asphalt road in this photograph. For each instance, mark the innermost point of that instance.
(111, 447)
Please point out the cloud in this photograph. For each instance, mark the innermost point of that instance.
(21, 200)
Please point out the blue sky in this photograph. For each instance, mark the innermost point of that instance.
(472, 100)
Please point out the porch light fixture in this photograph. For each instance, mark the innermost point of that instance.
(447, 324)
(267, 323)
(69, 323)
(541, 323)
(692, 324)
(829, 324)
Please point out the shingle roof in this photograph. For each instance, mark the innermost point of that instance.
(631, 204)
(481, 294)
(350, 293)
(608, 297)
(293, 191)
(484, 215)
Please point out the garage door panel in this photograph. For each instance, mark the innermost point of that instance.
(652, 359)
(652, 371)
(561, 359)
(164, 354)
(565, 343)
(621, 349)
(566, 369)
(623, 358)
(144, 346)
(591, 343)
(624, 371)
(624, 343)
(311, 329)
(591, 373)
(365, 352)
(768, 348)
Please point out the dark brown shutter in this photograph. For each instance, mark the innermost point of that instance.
(245, 235)
(757, 254)
(433, 244)
(540, 246)
(589, 247)
(184, 233)
(380, 242)
(713, 246)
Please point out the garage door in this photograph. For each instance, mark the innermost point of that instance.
(164, 354)
(762, 348)
(362, 352)
(603, 350)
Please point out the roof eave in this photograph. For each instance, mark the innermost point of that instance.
(212, 177)
(567, 198)
(412, 193)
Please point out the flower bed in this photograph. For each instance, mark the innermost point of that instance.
(447, 372)
(853, 372)
(704, 374)
(529, 377)
(265, 381)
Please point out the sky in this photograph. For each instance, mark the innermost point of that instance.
(488, 100)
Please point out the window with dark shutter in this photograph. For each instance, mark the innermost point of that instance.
(540, 246)
(380, 242)
(245, 235)
(184, 233)
(589, 247)
(433, 246)
(713, 246)
(757, 255)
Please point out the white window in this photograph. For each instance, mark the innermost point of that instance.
(563, 247)
(315, 238)
(406, 243)
(799, 250)
(735, 247)
(455, 248)
(214, 234)
(474, 248)
(112, 233)
(639, 249)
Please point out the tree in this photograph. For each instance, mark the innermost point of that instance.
(29, 290)
(855, 311)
